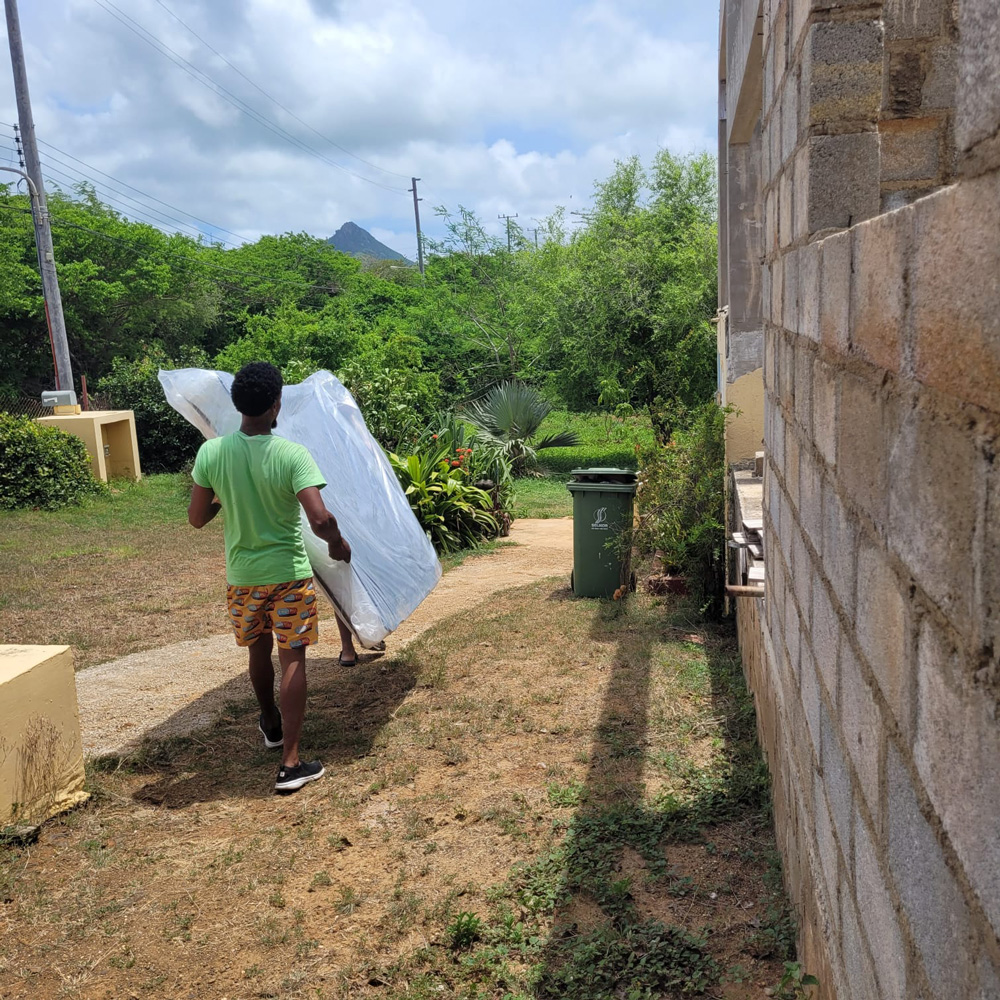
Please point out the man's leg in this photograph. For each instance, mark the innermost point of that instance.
(262, 678)
(348, 654)
(293, 700)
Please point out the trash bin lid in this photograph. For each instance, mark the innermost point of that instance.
(620, 476)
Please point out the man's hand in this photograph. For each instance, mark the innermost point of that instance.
(340, 550)
(203, 507)
(324, 524)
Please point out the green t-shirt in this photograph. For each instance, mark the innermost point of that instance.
(256, 480)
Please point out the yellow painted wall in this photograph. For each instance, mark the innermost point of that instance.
(110, 438)
(745, 429)
(41, 755)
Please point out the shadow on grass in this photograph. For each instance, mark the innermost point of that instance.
(601, 946)
(347, 708)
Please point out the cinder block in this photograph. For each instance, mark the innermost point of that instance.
(790, 116)
(842, 72)
(878, 916)
(911, 149)
(824, 629)
(793, 448)
(809, 689)
(913, 18)
(777, 290)
(829, 854)
(803, 386)
(978, 105)
(878, 289)
(940, 83)
(809, 262)
(955, 291)
(861, 724)
(800, 193)
(835, 292)
(790, 306)
(801, 575)
(906, 69)
(811, 501)
(844, 186)
(882, 632)
(793, 633)
(836, 780)
(957, 752)
(857, 962)
(866, 426)
(934, 503)
(824, 418)
(786, 209)
(840, 547)
(932, 900)
(770, 229)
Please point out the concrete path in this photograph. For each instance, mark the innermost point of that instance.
(182, 687)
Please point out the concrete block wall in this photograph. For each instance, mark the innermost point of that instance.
(879, 691)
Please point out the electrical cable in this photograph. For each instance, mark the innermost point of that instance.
(206, 81)
(145, 194)
(274, 100)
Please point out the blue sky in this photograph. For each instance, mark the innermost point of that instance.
(513, 107)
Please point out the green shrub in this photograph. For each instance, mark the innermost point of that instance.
(564, 460)
(483, 463)
(682, 504)
(167, 442)
(42, 466)
(454, 513)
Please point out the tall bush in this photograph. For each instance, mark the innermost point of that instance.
(167, 442)
(42, 466)
(682, 504)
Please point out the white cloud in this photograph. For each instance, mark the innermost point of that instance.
(516, 108)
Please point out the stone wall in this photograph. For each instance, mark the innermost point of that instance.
(880, 681)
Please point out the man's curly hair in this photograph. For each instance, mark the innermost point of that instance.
(256, 388)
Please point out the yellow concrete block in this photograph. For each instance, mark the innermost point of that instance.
(745, 428)
(110, 438)
(41, 756)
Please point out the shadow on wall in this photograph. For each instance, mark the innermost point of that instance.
(347, 708)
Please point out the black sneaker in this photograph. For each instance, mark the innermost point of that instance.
(272, 737)
(292, 778)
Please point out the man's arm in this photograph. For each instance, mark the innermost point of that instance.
(203, 506)
(323, 523)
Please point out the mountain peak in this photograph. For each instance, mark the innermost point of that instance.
(358, 242)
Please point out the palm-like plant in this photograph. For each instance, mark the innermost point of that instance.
(508, 418)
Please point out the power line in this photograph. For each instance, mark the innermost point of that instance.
(145, 194)
(272, 99)
(206, 81)
(106, 195)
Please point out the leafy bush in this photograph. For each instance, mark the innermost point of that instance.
(682, 504)
(395, 396)
(42, 466)
(167, 442)
(509, 417)
(454, 513)
(486, 466)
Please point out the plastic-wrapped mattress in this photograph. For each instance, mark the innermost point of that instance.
(393, 564)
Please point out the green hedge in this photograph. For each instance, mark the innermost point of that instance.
(564, 460)
(42, 466)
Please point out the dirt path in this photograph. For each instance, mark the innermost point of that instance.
(182, 687)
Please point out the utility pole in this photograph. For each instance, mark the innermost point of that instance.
(416, 215)
(508, 218)
(534, 232)
(40, 212)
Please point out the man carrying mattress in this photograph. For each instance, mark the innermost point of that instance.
(260, 481)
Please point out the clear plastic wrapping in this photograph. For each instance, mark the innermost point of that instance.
(393, 564)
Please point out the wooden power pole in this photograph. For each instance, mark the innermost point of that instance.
(416, 215)
(39, 208)
(507, 219)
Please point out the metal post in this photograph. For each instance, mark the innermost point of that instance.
(416, 215)
(40, 213)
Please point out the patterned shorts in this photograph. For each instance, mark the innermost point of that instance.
(287, 609)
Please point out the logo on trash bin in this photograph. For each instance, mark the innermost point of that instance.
(600, 519)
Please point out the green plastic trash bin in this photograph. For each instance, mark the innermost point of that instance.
(602, 512)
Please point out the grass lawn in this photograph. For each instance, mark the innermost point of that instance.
(547, 497)
(121, 573)
(545, 798)
(605, 440)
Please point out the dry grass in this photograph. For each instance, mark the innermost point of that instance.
(122, 573)
(536, 779)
